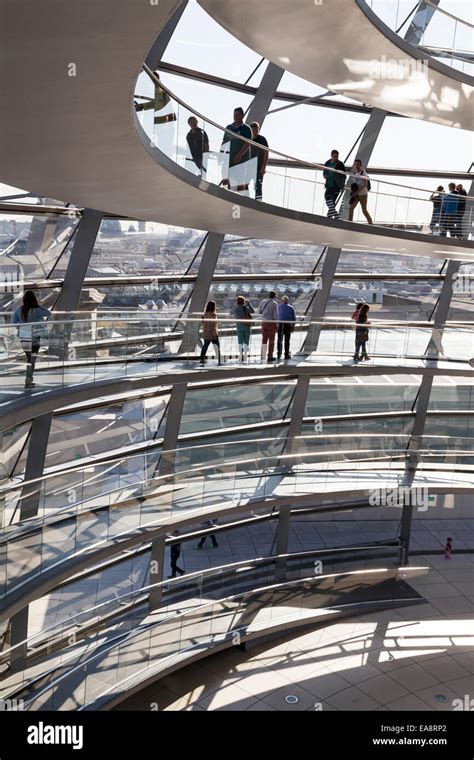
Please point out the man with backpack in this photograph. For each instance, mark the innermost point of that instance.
(360, 178)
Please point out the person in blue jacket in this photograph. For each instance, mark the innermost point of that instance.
(286, 325)
(29, 317)
(449, 212)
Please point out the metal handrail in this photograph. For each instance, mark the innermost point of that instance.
(131, 634)
(447, 13)
(158, 83)
(191, 577)
(32, 525)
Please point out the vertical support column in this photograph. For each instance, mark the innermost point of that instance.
(201, 290)
(70, 295)
(79, 260)
(420, 21)
(320, 300)
(370, 135)
(166, 467)
(39, 229)
(422, 403)
(282, 537)
(297, 412)
(441, 311)
(18, 633)
(265, 94)
(37, 448)
(294, 429)
(366, 146)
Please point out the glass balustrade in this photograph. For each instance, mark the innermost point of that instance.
(181, 630)
(71, 527)
(194, 588)
(70, 352)
(214, 153)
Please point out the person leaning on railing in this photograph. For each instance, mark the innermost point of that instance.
(29, 317)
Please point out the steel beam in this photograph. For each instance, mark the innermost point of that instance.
(201, 289)
(70, 295)
(161, 43)
(367, 142)
(266, 92)
(37, 448)
(419, 22)
(294, 430)
(434, 350)
(166, 467)
(79, 260)
(320, 300)
(19, 633)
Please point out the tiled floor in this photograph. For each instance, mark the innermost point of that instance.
(414, 658)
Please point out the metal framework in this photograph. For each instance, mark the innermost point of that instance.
(75, 279)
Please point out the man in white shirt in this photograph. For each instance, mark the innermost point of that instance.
(269, 311)
(359, 177)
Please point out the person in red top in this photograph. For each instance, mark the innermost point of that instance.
(209, 332)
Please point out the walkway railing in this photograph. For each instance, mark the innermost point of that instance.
(68, 352)
(124, 499)
(158, 642)
(233, 161)
(193, 588)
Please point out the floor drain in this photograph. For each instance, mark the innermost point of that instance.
(291, 699)
(441, 698)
